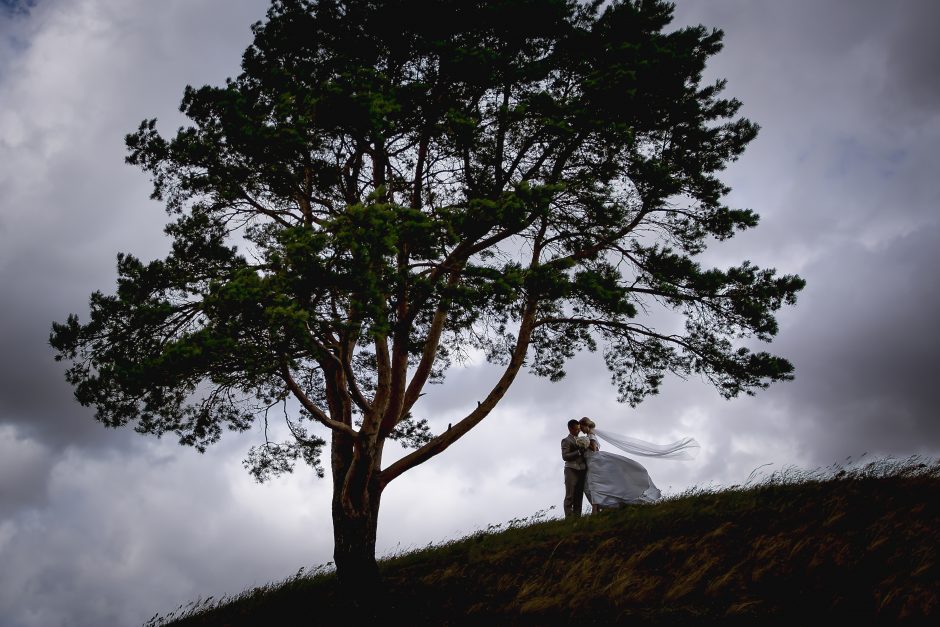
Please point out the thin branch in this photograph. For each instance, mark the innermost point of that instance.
(262, 209)
(607, 242)
(352, 386)
(311, 407)
(622, 326)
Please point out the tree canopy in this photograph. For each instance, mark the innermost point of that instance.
(388, 185)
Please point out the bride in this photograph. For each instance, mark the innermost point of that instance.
(613, 480)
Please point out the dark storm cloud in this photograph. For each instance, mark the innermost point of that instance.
(889, 345)
(16, 7)
(69, 202)
(49, 264)
(913, 58)
(74, 78)
(24, 472)
(864, 340)
(868, 342)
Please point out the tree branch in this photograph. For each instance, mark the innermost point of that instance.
(384, 380)
(416, 200)
(431, 343)
(262, 209)
(591, 251)
(311, 407)
(399, 361)
(622, 326)
(342, 362)
(458, 430)
(501, 138)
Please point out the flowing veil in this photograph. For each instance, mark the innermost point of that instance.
(686, 448)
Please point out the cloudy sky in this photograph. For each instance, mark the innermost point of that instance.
(105, 527)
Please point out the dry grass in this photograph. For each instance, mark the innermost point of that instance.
(856, 542)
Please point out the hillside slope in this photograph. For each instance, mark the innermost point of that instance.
(861, 545)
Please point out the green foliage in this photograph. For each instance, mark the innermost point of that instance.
(422, 177)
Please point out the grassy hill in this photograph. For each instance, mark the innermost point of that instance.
(860, 544)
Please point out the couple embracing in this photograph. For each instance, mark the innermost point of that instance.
(607, 479)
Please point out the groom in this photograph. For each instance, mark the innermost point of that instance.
(575, 471)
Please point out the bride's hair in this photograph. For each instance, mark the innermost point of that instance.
(588, 422)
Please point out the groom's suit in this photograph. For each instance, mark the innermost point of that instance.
(575, 472)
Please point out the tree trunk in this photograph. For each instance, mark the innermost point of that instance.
(354, 547)
(356, 497)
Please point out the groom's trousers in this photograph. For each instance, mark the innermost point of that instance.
(574, 491)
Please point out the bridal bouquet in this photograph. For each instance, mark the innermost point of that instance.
(583, 442)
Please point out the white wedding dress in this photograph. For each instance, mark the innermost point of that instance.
(613, 480)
